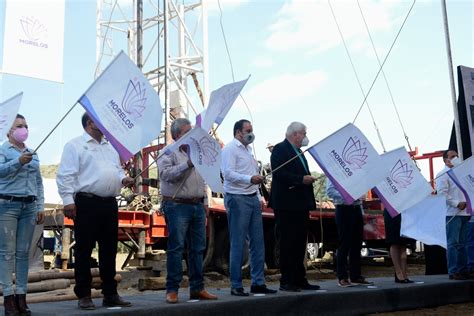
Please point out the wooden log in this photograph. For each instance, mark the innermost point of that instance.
(47, 285)
(67, 295)
(97, 282)
(157, 283)
(55, 274)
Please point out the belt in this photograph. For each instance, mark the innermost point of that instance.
(93, 196)
(184, 201)
(24, 199)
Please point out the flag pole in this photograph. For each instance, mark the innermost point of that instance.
(286, 162)
(54, 128)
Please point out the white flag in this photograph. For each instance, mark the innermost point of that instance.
(8, 112)
(220, 102)
(350, 161)
(124, 106)
(463, 176)
(205, 153)
(34, 39)
(426, 221)
(403, 186)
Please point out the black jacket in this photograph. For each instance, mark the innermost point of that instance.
(288, 191)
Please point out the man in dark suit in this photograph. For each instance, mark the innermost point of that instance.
(292, 198)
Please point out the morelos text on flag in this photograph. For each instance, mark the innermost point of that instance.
(8, 111)
(124, 106)
(220, 102)
(426, 221)
(404, 185)
(350, 161)
(463, 176)
(33, 44)
(205, 154)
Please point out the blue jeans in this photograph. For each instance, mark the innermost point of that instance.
(17, 225)
(244, 217)
(470, 245)
(456, 232)
(185, 223)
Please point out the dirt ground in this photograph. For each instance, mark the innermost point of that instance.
(324, 271)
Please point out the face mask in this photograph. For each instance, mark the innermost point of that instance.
(20, 134)
(249, 138)
(456, 161)
(305, 141)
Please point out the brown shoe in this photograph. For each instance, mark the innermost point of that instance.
(202, 295)
(86, 303)
(457, 276)
(172, 297)
(115, 300)
(20, 300)
(10, 306)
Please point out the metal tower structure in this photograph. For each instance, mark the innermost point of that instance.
(167, 39)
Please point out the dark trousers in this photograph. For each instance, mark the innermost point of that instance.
(435, 260)
(350, 226)
(96, 221)
(293, 226)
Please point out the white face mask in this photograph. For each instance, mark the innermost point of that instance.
(305, 141)
(248, 138)
(456, 161)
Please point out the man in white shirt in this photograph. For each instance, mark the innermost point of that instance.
(244, 204)
(89, 178)
(456, 218)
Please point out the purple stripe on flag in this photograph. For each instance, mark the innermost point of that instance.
(348, 199)
(390, 209)
(199, 119)
(458, 183)
(124, 153)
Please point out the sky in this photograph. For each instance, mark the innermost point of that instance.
(299, 70)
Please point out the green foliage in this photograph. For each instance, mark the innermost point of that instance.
(320, 186)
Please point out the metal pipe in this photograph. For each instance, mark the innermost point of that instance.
(457, 126)
(167, 74)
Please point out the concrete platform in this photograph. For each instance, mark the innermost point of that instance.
(384, 296)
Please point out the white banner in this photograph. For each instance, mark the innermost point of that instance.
(205, 153)
(124, 106)
(8, 111)
(463, 176)
(34, 39)
(220, 102)
(350, 161)
(403, 186)
(426, 221)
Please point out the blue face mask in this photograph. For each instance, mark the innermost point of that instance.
(456, 161)
(248, 138)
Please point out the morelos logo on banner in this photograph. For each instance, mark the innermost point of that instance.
(8, 111)
(463, 176)
(34, 39)
(204, 152)
(350, 161)
(35, 32)
(124, 106)
(404, 186)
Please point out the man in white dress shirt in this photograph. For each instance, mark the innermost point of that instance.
(456, 218)
(244, 204)
(89, 178)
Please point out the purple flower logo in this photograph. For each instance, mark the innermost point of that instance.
(354, 154)
(209, 151)
(133, 102)
(32, 28)
(401, 174)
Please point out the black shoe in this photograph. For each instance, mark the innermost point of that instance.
(308, 286)
(261, 289)
(238, 292)
(289, 288)
(86, 303)
(114, 300)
